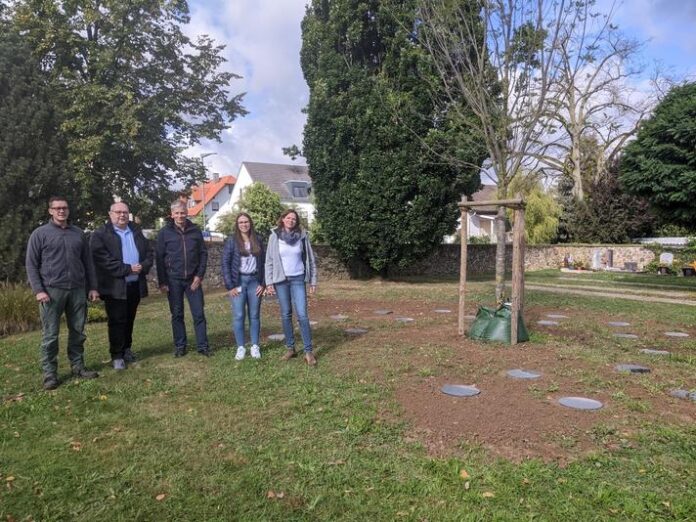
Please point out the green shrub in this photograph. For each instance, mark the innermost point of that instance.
(19, 311)
(96, 313)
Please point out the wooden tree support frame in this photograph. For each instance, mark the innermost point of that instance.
(518, 245)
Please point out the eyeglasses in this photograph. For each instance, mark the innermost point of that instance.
(60, 208)
(118, 211)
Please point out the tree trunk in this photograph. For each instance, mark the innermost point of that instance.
(500, 255)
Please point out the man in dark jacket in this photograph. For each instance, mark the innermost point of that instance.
(122, 258)
(182, 258)
(60, 272)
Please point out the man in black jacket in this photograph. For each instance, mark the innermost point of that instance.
(182, 258)
(122, 258)
(60, 274)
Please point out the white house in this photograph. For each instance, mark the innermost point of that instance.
(291, 182)
(480, 221)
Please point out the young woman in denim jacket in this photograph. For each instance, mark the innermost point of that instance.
(243, 261)
(290, 266)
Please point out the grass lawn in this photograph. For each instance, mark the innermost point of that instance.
(216, 439)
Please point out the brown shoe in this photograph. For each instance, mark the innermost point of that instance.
(289, 354)
(310, 359)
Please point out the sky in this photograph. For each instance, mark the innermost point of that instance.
(263, 39)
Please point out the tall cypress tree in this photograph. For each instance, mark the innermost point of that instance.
(374, 139)
(32, 157)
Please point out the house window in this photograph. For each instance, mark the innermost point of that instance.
(299, 189)
(230, 188)
(216, 206)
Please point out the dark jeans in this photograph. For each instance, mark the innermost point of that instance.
(177, 289)
(74, 304)
(121, 314)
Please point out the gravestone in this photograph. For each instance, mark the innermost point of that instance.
(626, 336)
(442, 311)
(556, 316)
(383, 312)
(683, 394)
(618, 323)
(276, 337)
(405, 319)
(544, 322)
(676, 334)
(596, 260)
(666, 258)
(339, 317)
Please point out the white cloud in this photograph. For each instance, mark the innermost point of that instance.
(263, 39)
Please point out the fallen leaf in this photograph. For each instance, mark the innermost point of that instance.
(666, 504)
(336, 462)
(467, 485)
(160, 497)
(103, 397)
(463, 474)
(270, 494)
(488, 494)
(76, 445)
(641, 471)
(525, 480)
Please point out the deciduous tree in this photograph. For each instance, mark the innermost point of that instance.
(261, 203)
(134, 90)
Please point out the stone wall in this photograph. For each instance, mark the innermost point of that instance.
(445, 261)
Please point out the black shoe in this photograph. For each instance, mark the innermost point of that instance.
(205, 353)
(179, 352)
(50, 381)
(82, 373)
(129, 356)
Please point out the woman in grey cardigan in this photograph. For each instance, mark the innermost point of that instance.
(290, 265)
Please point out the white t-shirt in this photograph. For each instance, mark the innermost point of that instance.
(247, 263)
(291, 257)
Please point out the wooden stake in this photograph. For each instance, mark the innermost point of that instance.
(462, 269)
(517, 273)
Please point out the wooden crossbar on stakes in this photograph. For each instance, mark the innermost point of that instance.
(518, 206)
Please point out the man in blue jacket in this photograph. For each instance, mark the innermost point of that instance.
(182, 257)
(122, 258)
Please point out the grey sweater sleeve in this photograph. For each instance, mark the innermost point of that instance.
(33, 263)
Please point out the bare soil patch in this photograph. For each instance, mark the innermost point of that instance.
(512, 418)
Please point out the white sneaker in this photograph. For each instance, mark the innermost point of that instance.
(241, 353)
(255, 351)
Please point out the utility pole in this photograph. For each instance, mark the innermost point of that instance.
(205, 180)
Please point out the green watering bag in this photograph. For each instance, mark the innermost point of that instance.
(496, 325)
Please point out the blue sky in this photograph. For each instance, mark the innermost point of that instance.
(263, 39)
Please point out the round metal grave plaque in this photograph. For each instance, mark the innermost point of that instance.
(460, 390)
(631, 368)
(276, 337)
(442, 311)
(580, 403)
(618, 323)
(339, 317)
(405, 319)
(523, 374)
(544, 322)
(626, 336)
(469, 317)
(650, 351)
(355, 331)
(676, 334)
(683, 394)
(383, 312)
(556, 316)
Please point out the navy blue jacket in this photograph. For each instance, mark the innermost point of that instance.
(107, 254)
(232, 261)
(180, 254)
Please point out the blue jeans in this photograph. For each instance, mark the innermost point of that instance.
(292, 292)
(177, 289)
(247, 299)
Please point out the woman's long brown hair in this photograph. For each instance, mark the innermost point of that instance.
(255, 249)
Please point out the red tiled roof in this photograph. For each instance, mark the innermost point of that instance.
(211, 190)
